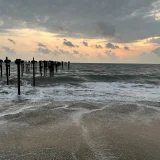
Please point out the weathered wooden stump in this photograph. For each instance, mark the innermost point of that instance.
(18, 62)
(56, 65)
(22, 67)
(62, 64)
(33, 65)
(51, 68)
(9, 68)
(45, 67)
(1, 66)
(68, 65)
(40, 67)
(7, 61)
(27, 67)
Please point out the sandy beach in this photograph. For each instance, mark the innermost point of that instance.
(68, 130)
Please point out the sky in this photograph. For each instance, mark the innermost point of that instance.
(95, 31)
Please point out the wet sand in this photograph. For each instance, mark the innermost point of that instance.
(82, 131)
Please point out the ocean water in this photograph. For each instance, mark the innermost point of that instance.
(88, 82)
(92, 111)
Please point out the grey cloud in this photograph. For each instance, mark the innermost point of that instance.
(87, 54)
(121, 20)
(47, 51)
(8, 50)
(57, 52)
(156, 51)
(75, 52)
(63, 52)
(12, 41)
(85, 44)
(53, 52)
(126, 48)
(106, 29)
(68, 43)
(111, 55)
(43, 50)
(41, 45)
(148, 57)
(98, 46)
(60, 52)
(111, 46)
(155, 40)
(138, 28)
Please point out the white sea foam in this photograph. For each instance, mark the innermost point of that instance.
(90, 91)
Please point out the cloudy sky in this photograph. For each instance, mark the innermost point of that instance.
(118, 31)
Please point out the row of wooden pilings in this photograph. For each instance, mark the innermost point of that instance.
(44, 66)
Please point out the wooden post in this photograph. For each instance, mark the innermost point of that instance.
(50, 70)
(29, 66)
(35, 66)
(9, 70)
(7, 61)
(68, 65)
(62, 64)
(46, 67)
(33, 72)
(56, 67)
(19, 81)
(40, 67)
(53, 66)
(26, 67)
(22, 67)
(1, 66)
(18, 62)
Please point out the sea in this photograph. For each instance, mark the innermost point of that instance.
(89, 112)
